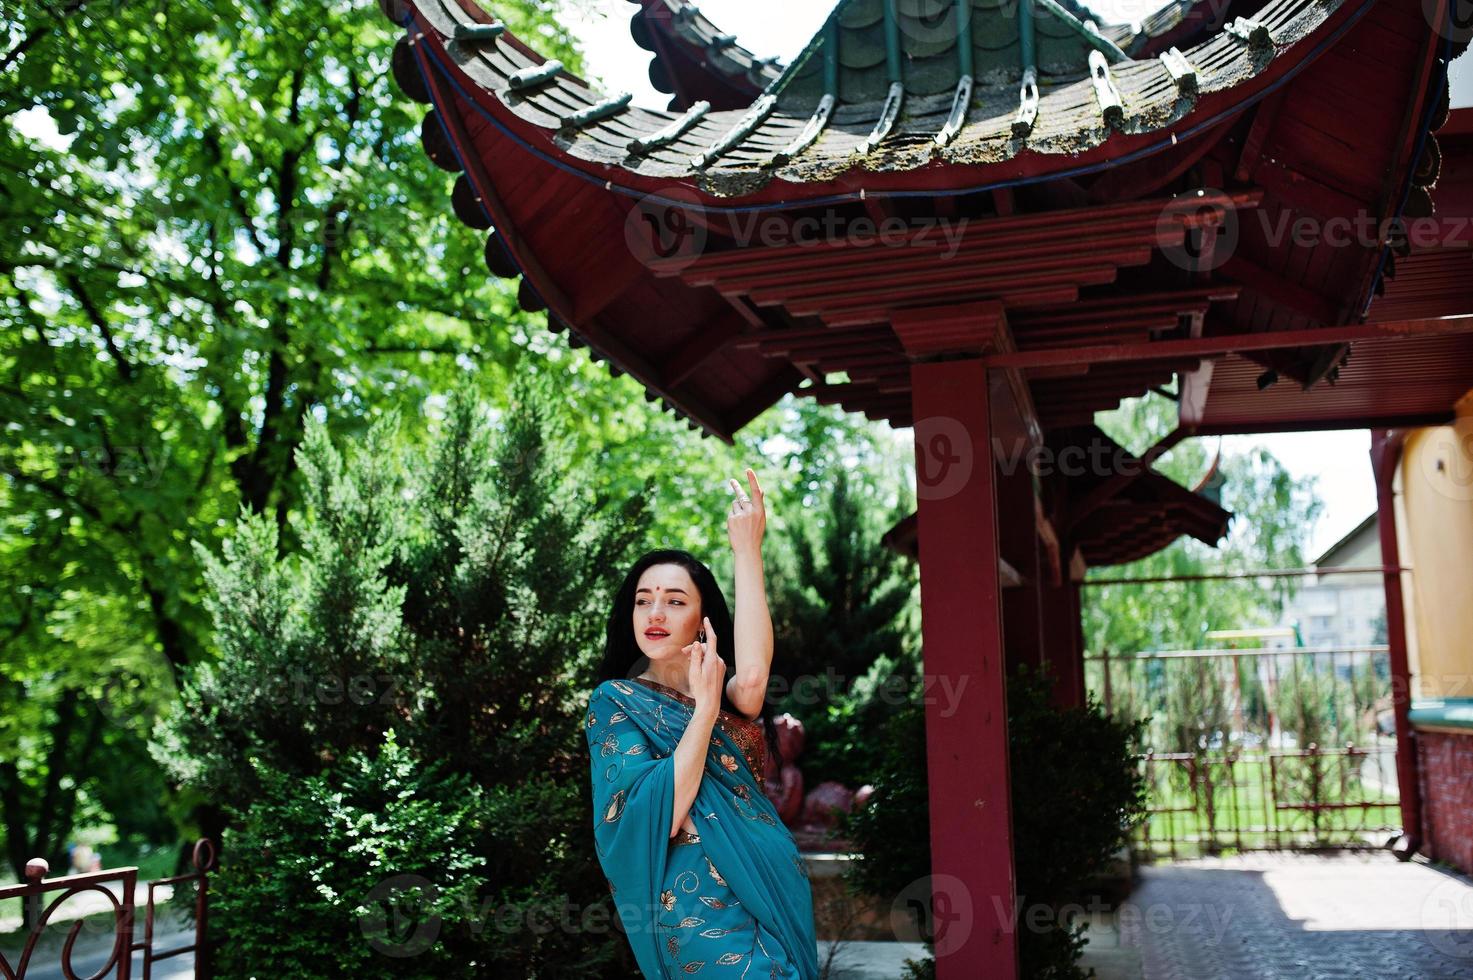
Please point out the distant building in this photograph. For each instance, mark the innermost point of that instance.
(1339, 611)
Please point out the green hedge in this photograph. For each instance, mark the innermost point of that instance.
(1077, 792)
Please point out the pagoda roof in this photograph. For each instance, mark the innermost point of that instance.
(877, 91)
(694, 61)
(1066, 249)
(1411, 379)
(1143, 516)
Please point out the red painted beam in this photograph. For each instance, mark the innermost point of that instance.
(980, 233)
(1044, 296)
(1206, 346)
(904, 258)
(1319, 425)
(1180, 300)
(967, 291)
(993, 266)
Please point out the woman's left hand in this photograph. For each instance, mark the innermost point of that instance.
(747, 518)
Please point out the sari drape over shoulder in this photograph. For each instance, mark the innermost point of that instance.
(632, 731)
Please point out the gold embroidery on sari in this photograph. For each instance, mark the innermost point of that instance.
(616, 807)
(746, 733)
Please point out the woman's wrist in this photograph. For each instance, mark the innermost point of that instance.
(747, 552)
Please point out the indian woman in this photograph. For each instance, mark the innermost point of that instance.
(706, 879)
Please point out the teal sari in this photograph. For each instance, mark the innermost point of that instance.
(732, 901)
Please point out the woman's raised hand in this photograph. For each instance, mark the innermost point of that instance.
(707, 671)
(747, 518)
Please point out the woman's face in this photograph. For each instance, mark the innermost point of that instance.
(666, 601)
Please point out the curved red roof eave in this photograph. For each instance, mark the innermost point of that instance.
(563, 208)
(728, 77)
(935, 177)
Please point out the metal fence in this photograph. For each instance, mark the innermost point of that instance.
(1256, 749)
(42, 898)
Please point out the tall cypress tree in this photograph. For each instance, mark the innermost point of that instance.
(840, 624)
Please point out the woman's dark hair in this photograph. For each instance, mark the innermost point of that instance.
(621, 650)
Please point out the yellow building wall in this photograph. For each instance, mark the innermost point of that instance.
(1435, 518)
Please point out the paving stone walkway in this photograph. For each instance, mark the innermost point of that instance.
(1290, 915)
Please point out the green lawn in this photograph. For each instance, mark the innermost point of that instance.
(1247, 815)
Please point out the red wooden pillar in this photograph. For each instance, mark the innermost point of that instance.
(973, 883)
(1386, 448)
(1063, 642)
(1018, 545)
(1070, 692)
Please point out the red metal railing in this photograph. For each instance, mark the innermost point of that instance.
(1225, 769)
(119, 963)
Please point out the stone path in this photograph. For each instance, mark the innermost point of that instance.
(1291, 915)
(1266, 916)
(868, 960)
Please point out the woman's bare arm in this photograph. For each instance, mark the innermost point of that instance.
(753, 641)
(752, 623)
(690, 763)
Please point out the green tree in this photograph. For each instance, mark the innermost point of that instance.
(842, 619)
(218, 224)
(211, 229)
(316, 841)
(1189, 701)
(1273, 514)
(1197, 719)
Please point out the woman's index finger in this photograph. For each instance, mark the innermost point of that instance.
(752, 479)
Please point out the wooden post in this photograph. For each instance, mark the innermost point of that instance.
(1018, 544)
(1385, 458)
(973, 884)
(1060, 644)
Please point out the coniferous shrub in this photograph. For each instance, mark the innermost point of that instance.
(305, 847)
(1077, 792)
(839, 607)
(447, 603)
